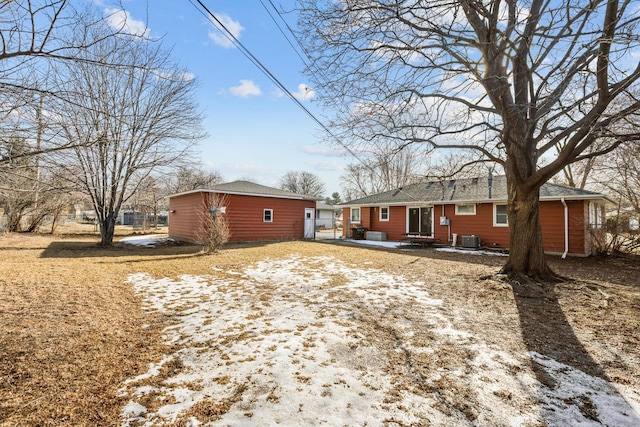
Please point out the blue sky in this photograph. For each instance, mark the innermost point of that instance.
(255, 131)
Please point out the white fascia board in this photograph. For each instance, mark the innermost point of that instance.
(276, 196)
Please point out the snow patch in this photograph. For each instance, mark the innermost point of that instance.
(279, 343)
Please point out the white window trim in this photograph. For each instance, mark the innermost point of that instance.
(466, 213)
(264, 215)
(420, 207)
(388, 214)
(359, 215)
(595, 215)
(495, 224)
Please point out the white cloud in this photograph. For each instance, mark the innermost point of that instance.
(121, 20)
(246, 88)
(218, 35)
(304, 92)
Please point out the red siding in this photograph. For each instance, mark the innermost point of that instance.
(365, 217)
(552, 220)
(481, 225)
(184, 215)
(244, 215)
(395, 227)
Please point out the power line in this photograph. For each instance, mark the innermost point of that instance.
(230, 36)
(245, 51)
(304, 61)
(308, 64)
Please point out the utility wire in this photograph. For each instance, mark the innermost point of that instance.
(304, 61)
(308, 62)
(233, 39)
(314, 70)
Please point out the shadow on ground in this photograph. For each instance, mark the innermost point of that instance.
(547, 331)
(83, 249)
(618, 269)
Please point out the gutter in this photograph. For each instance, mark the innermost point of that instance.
(566, 228)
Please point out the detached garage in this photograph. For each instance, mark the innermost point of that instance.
(253, 212)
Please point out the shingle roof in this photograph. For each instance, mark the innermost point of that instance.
(464, 190)
(251, 189)
(325, 206)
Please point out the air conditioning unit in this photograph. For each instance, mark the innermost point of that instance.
(471, 242)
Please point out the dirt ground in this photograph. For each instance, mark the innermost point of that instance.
(73, 330)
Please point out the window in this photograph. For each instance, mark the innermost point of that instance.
(355, 214)
(384, 213)
(469, 209)
(595, 215)
(500, 218)
(267, 215)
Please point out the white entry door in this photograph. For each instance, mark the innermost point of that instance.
(309, 223)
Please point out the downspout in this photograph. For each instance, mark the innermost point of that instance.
(566, 228)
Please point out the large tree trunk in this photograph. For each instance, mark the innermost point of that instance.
(526, 251)
(107, 230)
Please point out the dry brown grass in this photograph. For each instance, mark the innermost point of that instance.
(72, 329)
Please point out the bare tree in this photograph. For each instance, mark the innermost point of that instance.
(531, 86)
(213, 231)
(29, 193)
(617, 174)
(187, 178)
(37, 37)
(583, 174)
(360, 180)
(383, 169)
(126, 120)
(619, 177)
(302, 183)
(623, 175)
(149, 199)
(151, 195)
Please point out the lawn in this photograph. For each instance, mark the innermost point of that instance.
(308, 333)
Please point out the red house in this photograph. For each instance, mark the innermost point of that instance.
(254, 212)
(474, 212)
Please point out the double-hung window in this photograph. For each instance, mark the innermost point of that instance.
(500, 218)
(355, 215)
(384, 213)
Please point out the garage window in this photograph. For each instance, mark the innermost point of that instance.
(267, 215)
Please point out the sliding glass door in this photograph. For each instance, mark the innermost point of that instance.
(421, 220)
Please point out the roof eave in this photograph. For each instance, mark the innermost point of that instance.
(492, 200)
(185, 193)
(240, 193)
